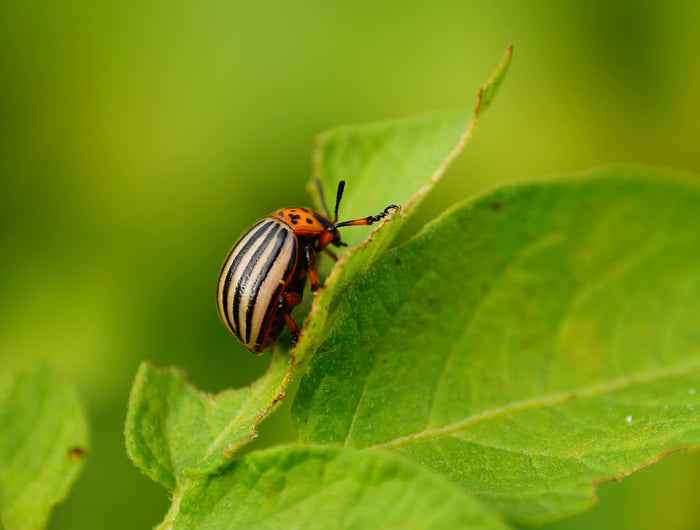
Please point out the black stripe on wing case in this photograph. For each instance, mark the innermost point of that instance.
(248, 266)
(241, 254)
(260, 278)
(275, 297)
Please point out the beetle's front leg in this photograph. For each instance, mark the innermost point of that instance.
(331, 253)
(371, 219)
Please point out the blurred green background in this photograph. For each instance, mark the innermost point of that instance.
(140, 138)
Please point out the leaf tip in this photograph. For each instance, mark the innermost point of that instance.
(489, 90)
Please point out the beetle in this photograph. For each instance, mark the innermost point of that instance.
(264, 274)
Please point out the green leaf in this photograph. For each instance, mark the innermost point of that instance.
(391, 162)
(526, 345)
(173, 431)
(326, 488)
(42, 447)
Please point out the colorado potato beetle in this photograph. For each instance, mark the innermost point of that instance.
(264, 274)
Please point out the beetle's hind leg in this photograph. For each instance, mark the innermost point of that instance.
(294, 330)
(287, 301)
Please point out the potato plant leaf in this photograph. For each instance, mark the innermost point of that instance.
(43, 447)
(528, 344)
(174, 431)
(327, 488)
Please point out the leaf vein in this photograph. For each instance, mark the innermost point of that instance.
(542, 242)
(541, 401)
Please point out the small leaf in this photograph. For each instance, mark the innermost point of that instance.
(42, 448)
(391, 162)
(325, 488)
(526, 345)
(174, 431)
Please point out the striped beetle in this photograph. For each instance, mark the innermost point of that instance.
(264, 274)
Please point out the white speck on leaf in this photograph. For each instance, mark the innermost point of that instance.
(628, 419)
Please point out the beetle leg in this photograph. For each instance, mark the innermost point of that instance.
(331, 254)
(310, 256)
(293, 328)
(371, 219)
(313, 280)
(286, 302)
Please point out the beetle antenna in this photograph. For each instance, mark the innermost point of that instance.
(338, 196)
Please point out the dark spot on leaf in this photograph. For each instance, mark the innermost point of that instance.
(76, 453)
(496, 206)
(385, 360)
(398, 261)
